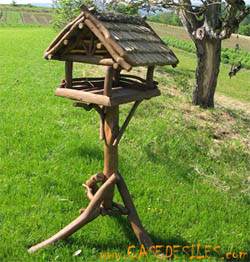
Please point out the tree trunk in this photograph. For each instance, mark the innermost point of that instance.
(208, 53)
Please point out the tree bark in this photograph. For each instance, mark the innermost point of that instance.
(208, 66)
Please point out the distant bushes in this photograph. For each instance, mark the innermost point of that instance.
(244, 30)
(168, 18)
(228, 55)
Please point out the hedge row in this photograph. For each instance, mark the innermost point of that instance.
(228, 55)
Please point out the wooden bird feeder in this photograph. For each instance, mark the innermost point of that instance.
(118, 42)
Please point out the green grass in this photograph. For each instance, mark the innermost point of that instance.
(13, 18)
(189, 185)
(237, 87)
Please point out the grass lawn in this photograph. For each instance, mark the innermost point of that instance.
(187, 168)
(237, 87)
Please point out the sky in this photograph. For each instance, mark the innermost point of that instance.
(25, 1)
(45, 1)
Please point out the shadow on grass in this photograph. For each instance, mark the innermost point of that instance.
(236, 114)
(195, 251)
(89, 151)
(171, 166)
(189, 73)
(169, 248)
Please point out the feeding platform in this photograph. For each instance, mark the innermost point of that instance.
(118, 42)
(91, 90)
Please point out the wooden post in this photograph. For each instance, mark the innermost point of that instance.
(111, 129)
(116, 76)
(108, 81)
(150, 76)
(68, 73)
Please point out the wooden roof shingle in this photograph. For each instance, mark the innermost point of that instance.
(110, 38)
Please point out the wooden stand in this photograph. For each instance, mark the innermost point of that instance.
(101, 199)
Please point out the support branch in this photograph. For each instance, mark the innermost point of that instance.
(125, 124)
(90, 213)
(133, 217)
(92, 182)
(97, 108)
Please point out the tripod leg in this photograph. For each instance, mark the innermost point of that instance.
(133, 217)
(90, 213)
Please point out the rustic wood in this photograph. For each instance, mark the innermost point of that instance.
(90, 213)
(68, 73)
(116, 76)
(123, 209)
(129, 41)
(81, 25)
(150, 76)
(123, 95)
(119, 95)
(85, 59)
(111, 212)
(98, 109)
(119, 43)
(83, 96)
(115, 66)
(62, 32)
(108, 82)
(127, 76)
(91, 44)
(70, 45)
(128, 83)
(125, 124)
(122, 52)
(100, 36)
(102, 135)
(88, 84)
(99, 45)
(92, 182)
(111, 129)
(66, 36)
(109, 48)
(133, 217)
(119, 50)
(88, 79)
(88, 191)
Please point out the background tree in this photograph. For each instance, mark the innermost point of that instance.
(207, 24)
(67, 10)
(169, 18)
(13, 2)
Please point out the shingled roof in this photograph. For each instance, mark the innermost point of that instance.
(108, 38)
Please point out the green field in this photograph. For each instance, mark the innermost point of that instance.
(23, 15)
(180, 33)
(187, 168)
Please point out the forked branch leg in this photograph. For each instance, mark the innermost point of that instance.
(133, 217)
(90, 213)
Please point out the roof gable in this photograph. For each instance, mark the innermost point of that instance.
(108, 38)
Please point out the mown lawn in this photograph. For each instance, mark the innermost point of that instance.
(187, 168)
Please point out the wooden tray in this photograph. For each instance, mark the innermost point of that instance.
(90, 90)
